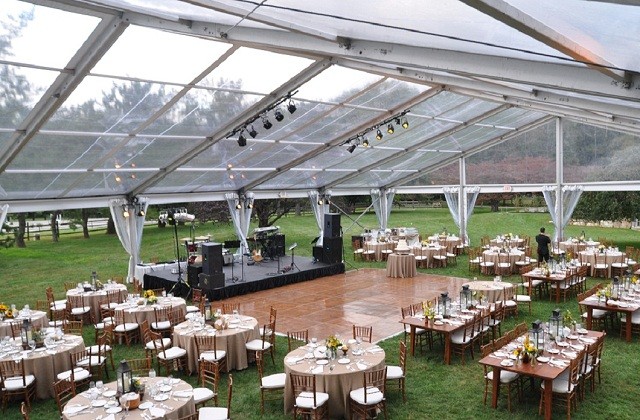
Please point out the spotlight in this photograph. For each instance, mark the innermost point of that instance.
(390, 128)
(141, 213)
(291, 107)
(249, 205)
(125, 211)
(320, 201)
(266, 123)
(279, 116)
(242, 140)
(238, 206)
(379, 135)
(405, 123)
(253, 133)
(351, 148)
(118, 179)
(365, 142)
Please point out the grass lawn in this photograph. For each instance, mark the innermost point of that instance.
(434, 390)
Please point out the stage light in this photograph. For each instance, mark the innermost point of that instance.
(125, 211)
(141, 213)
(390, 128)
(405, 123)
(291, 107)
(320, 200)
(351, 148)
(118, 179)
(238, 206)
(365, 142)
(253, 133)
(279, 116)
(242, 140)
(379, 135)
(266, 123)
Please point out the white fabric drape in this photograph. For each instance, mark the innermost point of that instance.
(129, 229)
(570, 197)
(320, 207)
(4, 210)
(241, 216)
(452, 195)
(382, 200)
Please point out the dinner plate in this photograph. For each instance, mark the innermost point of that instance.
(582, 331)
(98, 403)
(113, 410)
(110, 393)
(513, 356)
(175, 381)
(501, 354)
(562, 344)
(506, 362)
(322, 362)
(161, 397)
(553, 351)
(344, 361)
(357, 352)
(145, 405)
(572, 337)
(438, 323)
(542, 359)
(165, 388)
(352, 341)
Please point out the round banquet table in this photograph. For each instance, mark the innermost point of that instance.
(45, 364)
(595, 257)
(139, 313)
(378, 247)
(337, 383)
(179, 405)
(511, 243)
(401, 265)
(231, 340)
(492, 290)
(39, 320)
(93, 299)
(427, 251)
(494, 256)
(575, 246)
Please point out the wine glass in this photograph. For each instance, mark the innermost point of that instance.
(125, 403)
(1, 316)
(359, 342)
(152, 373)
(32, 345)
(314, 341)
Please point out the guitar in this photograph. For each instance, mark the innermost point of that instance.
(257, 255)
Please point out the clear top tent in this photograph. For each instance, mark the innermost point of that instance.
(169, 99)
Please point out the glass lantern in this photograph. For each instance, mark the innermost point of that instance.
(25, 333)
(444, 305)
(466, 296)
(555, 323)
(627, 280)
(123, 376)
(616, 288)
(207, 309)
(536, 333)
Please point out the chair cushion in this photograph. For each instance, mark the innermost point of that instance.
(459, 338)
(212, 413)
(374, 396)
(257, 344)
(560, 386)
(102, 349)
(162, 344)
(505, 376)
(201, 395)
(172, 353)
(305, 399)
(129, 326)
(394, 372)
(79, 374)
(15, 383)
(95, 361)
(274, 381)
(213, 356)
(80, 311)
(191, 308)
(162, 325)
(523, 298)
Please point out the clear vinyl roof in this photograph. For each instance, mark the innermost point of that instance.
(164, 98)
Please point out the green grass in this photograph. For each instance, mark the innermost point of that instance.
(434, 389)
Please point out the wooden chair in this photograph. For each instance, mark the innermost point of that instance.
(209, 379)
(462, 339)
(601, 269)
(55, 305)
(307, 400)
(130, 331)
(229, 307)
(140, 367)
(218, 413)
(296, 339)
(79, 310)
(73, 327)
(15, 383)
(363, 333)
(170, 358)
(24, 410)
(162, 322)
(207, 349)
(440, 257)
(270, 333)
(94, 363)
(68, 285)
(64, 390)
(358, 250)
(370, 397)
(475, 258)
(422, 259)
(503, 268)
(565, 388)
(106, 318)
(260, 345)
(495, 321)
(104, 345)
(398, 373)
(507, 379)
(147, 340)
(272, 386)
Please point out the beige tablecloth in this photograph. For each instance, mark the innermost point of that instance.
(378, 247)
(511, 243)
(576, 247)
(337, 383)
(493, 256)
(39, 320)
(595, 257)
(139, 313)
(231, 340)
(491, 290)
(174, 407)
(93, 299)
(46, 364)
(401, 265)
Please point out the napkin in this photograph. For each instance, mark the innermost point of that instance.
(156, 412)
(317, 370)
(183, 394)
(72, 409)
(110, 417)
(587, 340)
(293, 360)
(570, 354)
(361, 366)
(375, 349)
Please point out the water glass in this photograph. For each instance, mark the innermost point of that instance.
(152, 373)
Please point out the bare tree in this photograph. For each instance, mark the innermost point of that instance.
(55, 232)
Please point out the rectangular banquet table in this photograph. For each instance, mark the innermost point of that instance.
(537, 274)
(626, 307)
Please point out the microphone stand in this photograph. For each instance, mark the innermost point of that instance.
(180, 278)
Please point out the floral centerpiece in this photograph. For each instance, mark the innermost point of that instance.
(429, 310)
(99, 285)
(150, 296)
(634, 280)
(4, 310)
(527, 352)
(508, 236)
(546, 271)
(333, 343)
(568, 320)
(604, 293)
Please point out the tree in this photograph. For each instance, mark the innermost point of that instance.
(216, 211)
(608, 205)
(111, 226)
(55, 228)
(84, 220)
(269, 211)
(22, 227)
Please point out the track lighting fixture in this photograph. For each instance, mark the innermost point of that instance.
(365, 142)
(125, 210)
(291, 107)
(266, 123)
(242, 140)
(379, 135)
(253, 133)
(238, 206)
(140, 213)
(405, 123)
(351, 148)
(249, 204)
(279, 116)
(390, 129)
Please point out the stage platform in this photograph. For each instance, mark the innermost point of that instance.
(267, 274)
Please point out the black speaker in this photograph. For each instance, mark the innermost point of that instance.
(318, 253)
(331, 225)
(211, 281)
(211, 258)
(279, 245)
(332, 250)
(193, 271)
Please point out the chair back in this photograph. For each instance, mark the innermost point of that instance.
(156, 339)
(16, 326)
(297, 338)
(114, 296)
(362, 332)
(140, 367)
(303, 383)
(521, 329)
(260, 365)
(206, 343)
(73, 327)
(374, 379)
(229, 307)
(65, 389)
(229, 395)
(80, 356)
(12, 369)
(209, 373)
(196, 296)
(75, 301)
(402, 358)
(176, 316)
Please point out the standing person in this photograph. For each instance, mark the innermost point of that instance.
(543, 241)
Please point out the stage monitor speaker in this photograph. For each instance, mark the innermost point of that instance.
(279, 244)
(211, 281)
(318, 253)
(193, 271)
(332, 250)
(331, 225)
(211, 258)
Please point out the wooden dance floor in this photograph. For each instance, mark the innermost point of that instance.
(331, 305)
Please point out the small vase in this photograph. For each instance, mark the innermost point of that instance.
(526, 358)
